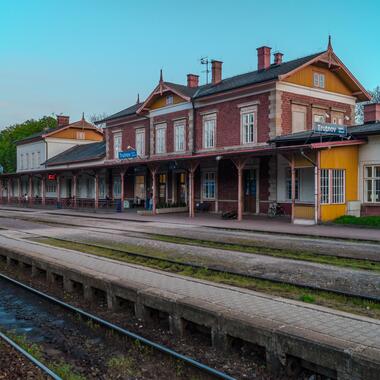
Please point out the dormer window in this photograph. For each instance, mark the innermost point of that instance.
(319, 80)
(80, 135)
(169, 100)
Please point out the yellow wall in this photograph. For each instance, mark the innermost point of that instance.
(71, 133)
(333, 83)
(341, 158)
(161, 102)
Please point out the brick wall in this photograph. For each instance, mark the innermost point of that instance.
(286, 106)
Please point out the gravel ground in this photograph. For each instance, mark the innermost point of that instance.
(244, 363)
(14, 366)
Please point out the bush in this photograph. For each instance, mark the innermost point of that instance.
(372, 221)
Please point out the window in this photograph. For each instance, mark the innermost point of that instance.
(372, 184)
(209, 129)
(160, 139)
(288, 179)
(117, 187)
(139, 187)
(209, 185)
(319, 80)
(318, 118)
(102, 187)
(298, 118)
(51, 186)
(81, 135)
(22, 162)
(162, 188)
(179, 137)
(33, 161)
(248, 122)
(169, 100)
(117, 145)
(38, 159)
(337, 118)
(27, 161)
(332, 185)
(140, 142)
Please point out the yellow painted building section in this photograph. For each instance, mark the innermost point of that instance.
(333, 83)
(341, 158)
(161, 102)
(71, 133)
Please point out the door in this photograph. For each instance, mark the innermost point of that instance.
(69, 185)
(250, 190)
(181, 188)
(162, 188)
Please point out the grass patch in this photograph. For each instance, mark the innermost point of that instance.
(307, 298)
(281, 253)
(329, 299)
(369, 221)
(66, 371)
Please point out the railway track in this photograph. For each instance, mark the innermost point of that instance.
(44, 369)
(93, 319)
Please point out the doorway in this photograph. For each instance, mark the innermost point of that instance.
(250, 190)
(181, 196)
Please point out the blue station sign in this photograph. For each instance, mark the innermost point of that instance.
(128, 154)
(330, 129)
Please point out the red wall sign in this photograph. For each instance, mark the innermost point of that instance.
(52, 177)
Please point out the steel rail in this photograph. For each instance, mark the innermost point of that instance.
(31, 358)
(121, 330)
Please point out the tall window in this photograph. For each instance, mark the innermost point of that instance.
(332, 186)
(209, 131)
(169, 100)
(102, 187)
(161, 138)
(22, 164)
(51, 186)
(298, 118)
(319, 80)
(140, 142)
(27, 161)
(209, 185)
(117, 187)
(288, 179)
(248, 123)
(38, 159)
(116, 145)
(372, 184)
(81, 135)
(179, 137)
(34, 160)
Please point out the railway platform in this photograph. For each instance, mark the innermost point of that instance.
(340, 345)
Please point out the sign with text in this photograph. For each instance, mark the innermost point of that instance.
(330, 129)
(52, 177)
(128, 154)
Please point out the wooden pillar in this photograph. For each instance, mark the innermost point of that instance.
(96, 179)
(75, 190)
(293, 186)
(9, 190)
(30, 189)
(58, 189)
(122, 175)
(192, 168)
(43, 190)
(318, 188)
(240, 164)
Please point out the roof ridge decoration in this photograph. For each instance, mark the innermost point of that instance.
(329, 51)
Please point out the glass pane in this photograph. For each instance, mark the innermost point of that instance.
(377, 171)
(369, 171)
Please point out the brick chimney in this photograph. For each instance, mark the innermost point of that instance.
(371, 112)
(263, 57)
(216, 71)
(192, 80)
(63, 120)
(278, 58)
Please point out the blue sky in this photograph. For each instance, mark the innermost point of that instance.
(94, 56)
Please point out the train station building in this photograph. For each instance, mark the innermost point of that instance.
(283, 134)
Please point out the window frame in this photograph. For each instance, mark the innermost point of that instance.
(246, 111)
(300, 109)
(81, 135)
(206, 119)
(177, 126)
(117, 136)
(160, 128)
(288, 184)
(206, 182)
(138, 133)
(329, 182)
(319, 80)
(372, 179)
(169, 100)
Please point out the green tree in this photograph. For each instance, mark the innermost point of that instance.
(13, 133)
(375, 94)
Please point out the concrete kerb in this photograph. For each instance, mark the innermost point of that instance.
(332, 356)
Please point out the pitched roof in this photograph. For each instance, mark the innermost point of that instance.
(83, 124)
(79, 153)
(366, 129)
(253, 77)
(125, 112)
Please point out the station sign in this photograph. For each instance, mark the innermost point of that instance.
(128, 154)
(330, 129)
(52, 177)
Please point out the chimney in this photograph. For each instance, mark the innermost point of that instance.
(192, 80)
(216, 71)
(278, 58)
(371, 113)
(263, 57)
(63, 120)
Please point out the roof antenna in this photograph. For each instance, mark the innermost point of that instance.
(161, 76)
(205, 61)
(329, 45)
(138, 98)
